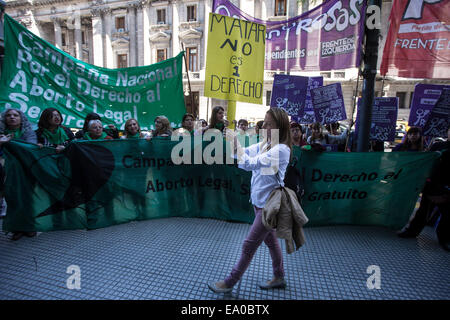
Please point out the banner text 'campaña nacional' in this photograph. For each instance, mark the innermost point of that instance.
(38, 75)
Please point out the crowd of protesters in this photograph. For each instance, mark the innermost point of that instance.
(50, 132)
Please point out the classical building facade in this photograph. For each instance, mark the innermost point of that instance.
(117, 34)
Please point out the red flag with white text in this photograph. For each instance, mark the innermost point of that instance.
(418, 41)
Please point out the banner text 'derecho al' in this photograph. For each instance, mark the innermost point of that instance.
(36, 75)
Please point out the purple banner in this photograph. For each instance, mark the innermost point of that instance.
(384, 118)
(328, 103)
(308, 115)
(328, 37)
(424, 98)
(439, 120)
(289, 93)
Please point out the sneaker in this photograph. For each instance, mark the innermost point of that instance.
(273, 284)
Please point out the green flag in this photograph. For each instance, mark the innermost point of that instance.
(97, 184)
(36, 75)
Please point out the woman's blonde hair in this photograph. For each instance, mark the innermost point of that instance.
(128, 122)
(165, 124)
(281, 119)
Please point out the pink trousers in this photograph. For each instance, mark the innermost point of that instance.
(258, 233)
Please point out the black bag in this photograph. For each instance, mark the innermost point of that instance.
(293, 179)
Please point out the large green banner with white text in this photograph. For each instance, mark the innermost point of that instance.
(97, 184)
(36, 75)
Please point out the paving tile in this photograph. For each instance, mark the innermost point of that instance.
(175, 258)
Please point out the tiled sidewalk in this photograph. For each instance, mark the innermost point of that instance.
(175, 258)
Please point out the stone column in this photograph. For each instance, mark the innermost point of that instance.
(264, 12)
(258, 8)
(109, 63)
(140, 35)
(132, 32)
(175, 29)
(303, 7)
(90, 43)
(58, 34)
(78, 41)
(97, 31)
(146, 33)
(208, 9)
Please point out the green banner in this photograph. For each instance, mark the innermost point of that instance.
(36, 75)
(98, 184)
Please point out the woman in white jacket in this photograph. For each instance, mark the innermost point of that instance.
(268, 162)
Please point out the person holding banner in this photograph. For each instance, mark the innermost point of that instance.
(110, 131)
(14, 125)
(243, 126)
(187, 125)
(334, 130)
(217, 120)
(268, 162)
(51, 133)
(318, 137)
(132, 130)
(413, 141)
(376, 146)
(297, 135)
(162, 127)
(258, 126)
(95, 131)
(436, 193)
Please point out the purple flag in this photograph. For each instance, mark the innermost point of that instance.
(439, 120)
(384, 118)
(328, 103)
(308, 115)
(289, 93)
(424, 98)
(327, 37)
